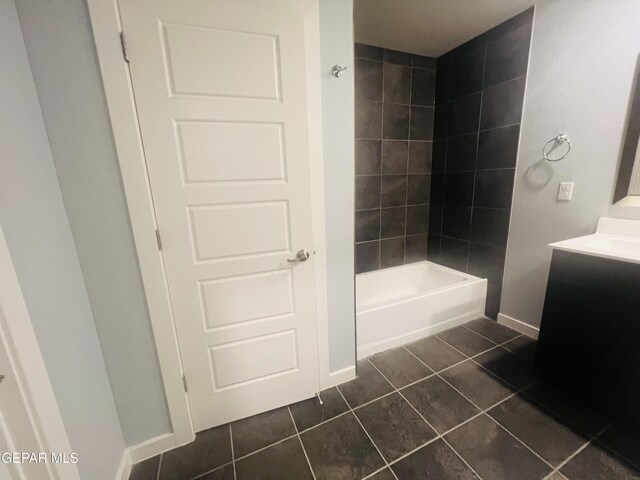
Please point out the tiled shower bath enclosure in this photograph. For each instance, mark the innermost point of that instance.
(464, 404)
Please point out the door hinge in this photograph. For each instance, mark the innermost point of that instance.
(158, 239)
(184, 383)
(123, 43)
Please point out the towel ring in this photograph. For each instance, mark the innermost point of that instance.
(562, 138)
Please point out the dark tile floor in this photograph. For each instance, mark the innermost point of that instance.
(464, 404)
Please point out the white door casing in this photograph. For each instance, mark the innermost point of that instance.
(220, 88)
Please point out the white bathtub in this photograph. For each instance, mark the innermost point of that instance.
(398, 305)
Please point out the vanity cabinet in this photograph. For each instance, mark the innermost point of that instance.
(589, 343)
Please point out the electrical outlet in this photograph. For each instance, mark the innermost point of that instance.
(565, 192)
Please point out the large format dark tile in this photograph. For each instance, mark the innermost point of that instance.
(524, 347)
(441, 117)
(502, 104)
(436, 461)
(369, 385)
(222, 473)
(492, 306)
(310, 412)
(368, 157)
(461, 153)
(623, 442)
(340, 449)
(508, 367)
(394, 190)
(508, 56)
(418, 189)
(400, 367)
(367, 256)
(397, 83)
(367, 192)
(367, 225)
(492, 330)
(421, 123)
(456, 221)
(211, 449)
(416, 248)
(399, 58)
(423, 87)
(435, 353)
(420, 156)
(598, 463)
(495, 454)
(392, 252)
(486, 261)
(368, 79)
(395, 155)
(443, 79)
(394, 426)
(439, 403)
(454, 253)
(464, 115)
(368, 121)
(383, 475)
(477, 384)
(395, 122)
(498, 148)
(465, 341)
(417, 219)
(490, 226)
(538, 429)
(572, 412)
(282, 460)
(458, 188)
(367, 51)
(427, 63)
(146, 470)
(251, 434)
(466, 73)
(494, 188)
(435, 218)
(393, 222)
(433, 247)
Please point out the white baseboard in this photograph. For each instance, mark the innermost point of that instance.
(518, 326)
(342, 376)
(142, 451)
(124, 470)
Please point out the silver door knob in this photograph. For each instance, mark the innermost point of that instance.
(301, 256)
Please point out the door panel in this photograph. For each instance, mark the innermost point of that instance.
(220, 89)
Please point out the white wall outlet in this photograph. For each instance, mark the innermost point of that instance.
(565, 191)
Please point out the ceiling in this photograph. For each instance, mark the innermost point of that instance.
(429, 27)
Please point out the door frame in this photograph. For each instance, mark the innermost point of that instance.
(18, 337)
(107, 25)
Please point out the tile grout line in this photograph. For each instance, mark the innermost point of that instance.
(583, 447)
(386, 464)
(233, 453)
(438, 436)
(313, 474)
(159, 466)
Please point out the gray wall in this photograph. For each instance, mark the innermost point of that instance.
(336, 44)
(580, 79)
(63, 60)
(37, 231)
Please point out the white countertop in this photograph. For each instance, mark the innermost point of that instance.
(614, 238)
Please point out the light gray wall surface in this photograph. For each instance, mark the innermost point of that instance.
(336, 47)
(61, 51)
(582, 64)
(34, 222)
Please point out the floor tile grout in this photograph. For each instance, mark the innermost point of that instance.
(583, 447)
(233, 453)
(438, 436)
(313, 474)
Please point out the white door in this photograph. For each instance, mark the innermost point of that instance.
(220, 88)
(17, 428)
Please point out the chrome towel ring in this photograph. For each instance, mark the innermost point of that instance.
(559, 140)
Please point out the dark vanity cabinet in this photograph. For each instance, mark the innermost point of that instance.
(589, 344)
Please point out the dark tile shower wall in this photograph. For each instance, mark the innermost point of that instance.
(479, 100)
(394, 131)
